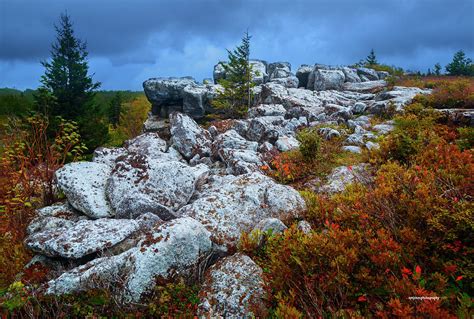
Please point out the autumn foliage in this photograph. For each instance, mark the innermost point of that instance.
(399, 247)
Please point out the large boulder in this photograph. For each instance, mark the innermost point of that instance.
(289, 81)
(188, 137)
(166, 94)
(232, 288)
(370, 74)
(107, 155)
(174, 248)
(54, 216)
(219, 72)
(83, 183)
(259, 71)
(265, 128)
(228, 205)
(139, 184)
(83, 238)
(239, 155)
(274, 69)
(328, 79)
(194, 100)
(350, 75)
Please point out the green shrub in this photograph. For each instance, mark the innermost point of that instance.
(310, 143)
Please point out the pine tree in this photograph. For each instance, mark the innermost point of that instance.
(371, 58)
(66, 78)
(235, 99)
(115, 109)
(460, 65)
(437, 69)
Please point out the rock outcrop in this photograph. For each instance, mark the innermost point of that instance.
(180, 195)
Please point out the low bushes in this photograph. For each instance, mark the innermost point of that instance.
(399, 247)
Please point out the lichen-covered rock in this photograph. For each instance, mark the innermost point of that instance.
(383, 128)
(188, 137)
(350, 75)
(106, 155)
(304, 226)
(358, 107)
(401, 96)
(55, 216)
(83, 183)
(286, 143)
(274, 225)
(329, 133)
(176, 247)
(290, 81)
(141, 184)
(328, 79)
(267, 110)
(370, 74)
(352, 148)
(166, 94)
(231, 288)
(259, 71)
(228, 205)
(83, 238)
(219, 72)
(342, 176)
(368, 86)
(153, 146)
(264, 128)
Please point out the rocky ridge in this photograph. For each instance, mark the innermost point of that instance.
(175, 199)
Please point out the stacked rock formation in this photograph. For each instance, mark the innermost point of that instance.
(168, 205)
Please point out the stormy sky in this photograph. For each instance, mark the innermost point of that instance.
(131, 41)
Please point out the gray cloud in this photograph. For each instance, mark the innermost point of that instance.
(129, 41)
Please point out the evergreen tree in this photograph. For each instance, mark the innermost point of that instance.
(460, 65)
(437, 69)
(371, 58)
(115, 108)
(235, 99)
(428, 73)
(66, 78)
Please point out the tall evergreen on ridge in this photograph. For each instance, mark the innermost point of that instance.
(235, 100)
(66, 78)
(66, 75)
(371, 58)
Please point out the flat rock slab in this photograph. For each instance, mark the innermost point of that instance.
(83, 183)
(174, 247)
(231, 287)
(230, 204)
(83, 238)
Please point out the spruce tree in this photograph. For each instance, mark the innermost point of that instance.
(235, 99)
(371, 58)
(437, 69)
(461, 65)
(66, 78)
(115, 109)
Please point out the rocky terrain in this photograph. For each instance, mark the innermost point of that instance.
(175, 200)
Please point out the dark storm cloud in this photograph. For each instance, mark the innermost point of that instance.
(131, 40)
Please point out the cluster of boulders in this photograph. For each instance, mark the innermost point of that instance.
(185, 95)
(167, 205)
